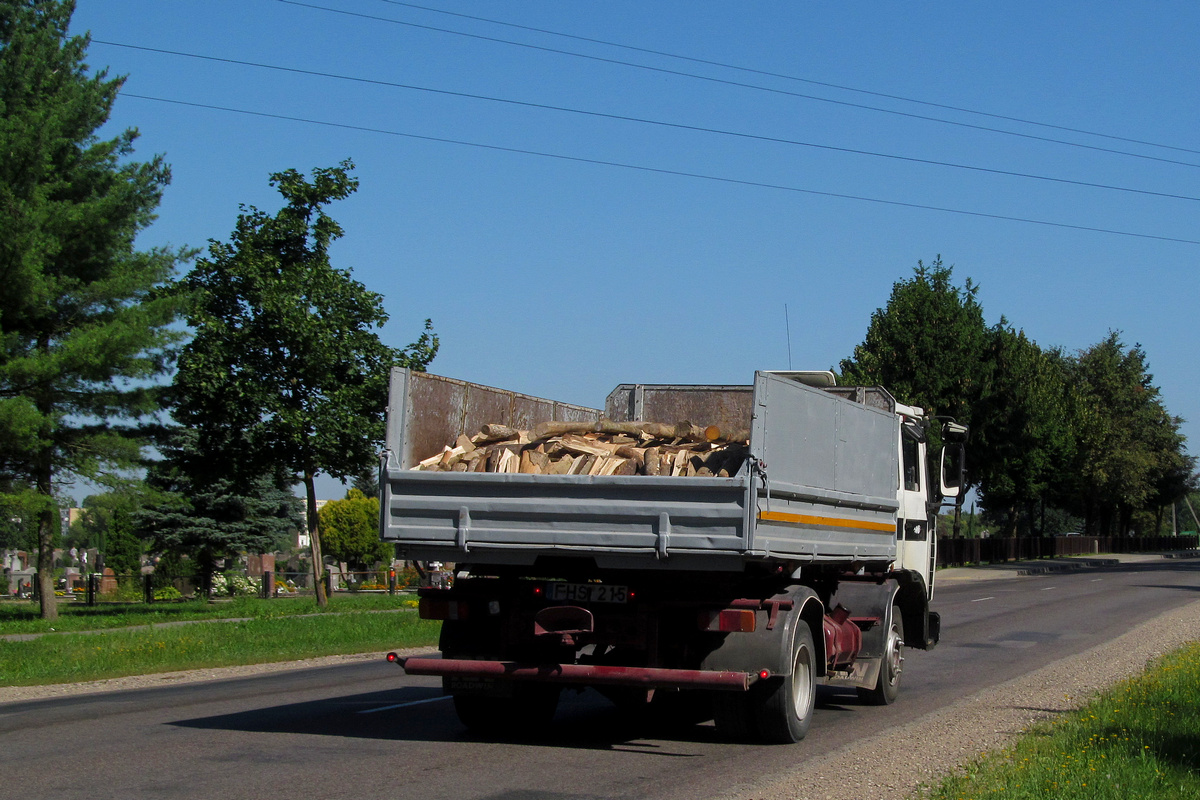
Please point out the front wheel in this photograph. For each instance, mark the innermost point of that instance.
(887, 685)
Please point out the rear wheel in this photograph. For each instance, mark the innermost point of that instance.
(732, 715)
(887, 685)
(776, 710)
(783, 711)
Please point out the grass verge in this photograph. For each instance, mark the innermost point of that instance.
(1141, 739)
(23, 617)
(68, 658)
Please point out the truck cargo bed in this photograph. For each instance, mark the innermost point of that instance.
(813, 490)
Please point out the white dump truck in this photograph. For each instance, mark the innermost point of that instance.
(808, 558)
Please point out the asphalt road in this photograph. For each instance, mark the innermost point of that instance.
(366, 731)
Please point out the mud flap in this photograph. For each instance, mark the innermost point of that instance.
(770, 646)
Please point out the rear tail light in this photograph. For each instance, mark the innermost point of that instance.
(729, 620)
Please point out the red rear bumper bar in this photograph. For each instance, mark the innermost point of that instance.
(580, 674)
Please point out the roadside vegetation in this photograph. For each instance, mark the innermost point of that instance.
(25, 617)
(279, 630)
(1139, 739)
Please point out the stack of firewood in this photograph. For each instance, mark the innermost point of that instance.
(596, 448)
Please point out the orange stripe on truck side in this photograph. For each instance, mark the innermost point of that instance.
(827, 522)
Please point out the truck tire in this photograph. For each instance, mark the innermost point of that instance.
(777, 710)
(783, 707)
(732, 716)
(887, 685)
(528, 712)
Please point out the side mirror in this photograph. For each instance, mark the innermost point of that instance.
(954, 459)
(954, 469)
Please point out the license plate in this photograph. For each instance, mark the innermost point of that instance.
(587, 593)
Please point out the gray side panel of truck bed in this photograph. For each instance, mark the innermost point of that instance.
(831, 473)
(514, 519)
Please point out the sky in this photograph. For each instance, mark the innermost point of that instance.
(586, 194)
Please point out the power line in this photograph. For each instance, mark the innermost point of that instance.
(784, 76)
(658, 123)
(742, 85)
(660, 171)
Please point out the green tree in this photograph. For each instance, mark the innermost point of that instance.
(927, 345)
(367, 480)
(350, 531)
(84, 330)
(286, 361)
(107, 524)
(204, 513)
(125, 549)
(1127, 445)
(18, 518)
(1021, 440)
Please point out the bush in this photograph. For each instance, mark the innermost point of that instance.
(168, 593)
(241, 586)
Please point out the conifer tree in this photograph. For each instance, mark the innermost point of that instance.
(84, 329)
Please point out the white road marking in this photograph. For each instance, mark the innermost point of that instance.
(405, 705)
(1048, 588)
(981, 599)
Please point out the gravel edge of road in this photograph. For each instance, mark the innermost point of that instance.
(888, 765)
(10, 694)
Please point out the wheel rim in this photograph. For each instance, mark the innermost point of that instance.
(894, 662)
(802, 679)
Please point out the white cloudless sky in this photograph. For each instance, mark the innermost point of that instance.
(658, 237)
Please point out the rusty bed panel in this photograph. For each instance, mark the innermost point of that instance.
(449, 407)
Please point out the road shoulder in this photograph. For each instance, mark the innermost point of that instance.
(889, 765)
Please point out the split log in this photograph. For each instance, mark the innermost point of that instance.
(534, 462)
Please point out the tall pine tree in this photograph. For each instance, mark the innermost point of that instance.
(84, 329)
